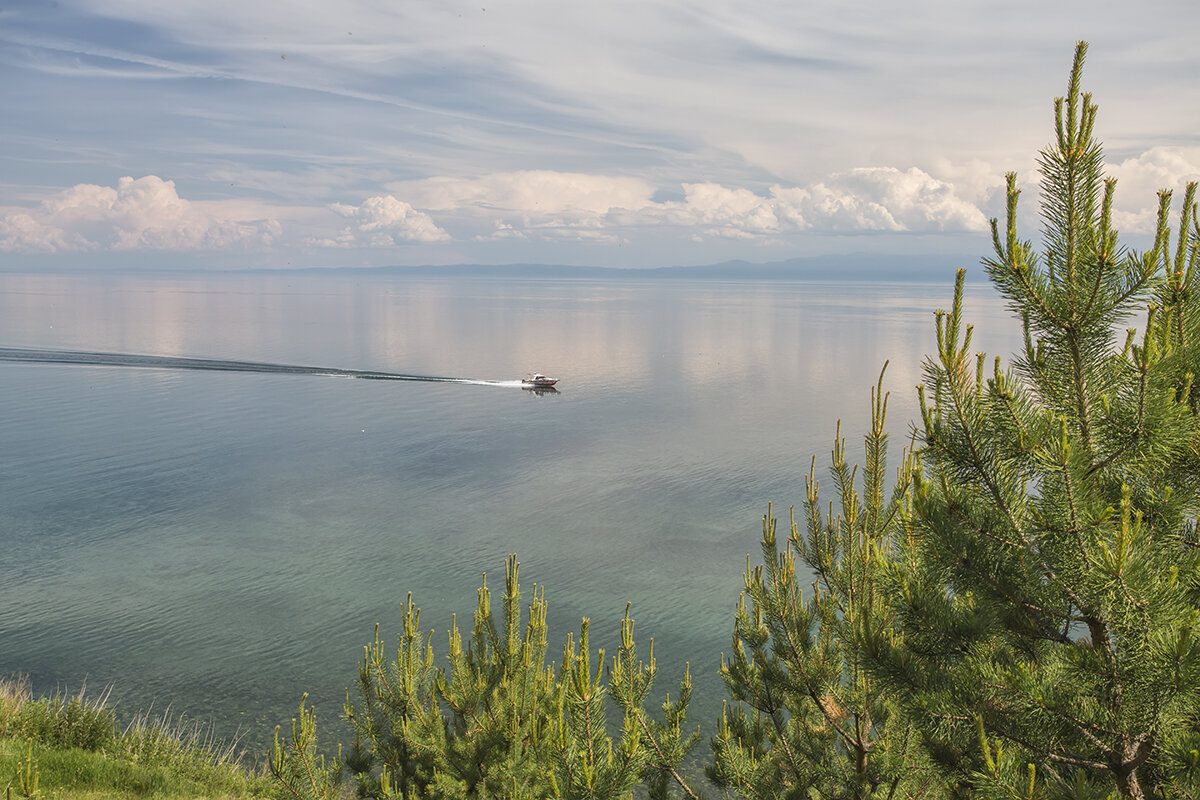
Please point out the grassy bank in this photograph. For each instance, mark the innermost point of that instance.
(72, 747)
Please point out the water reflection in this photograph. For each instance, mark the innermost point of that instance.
(231, 539)
(596, 333)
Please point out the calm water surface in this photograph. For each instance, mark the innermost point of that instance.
(221, 542)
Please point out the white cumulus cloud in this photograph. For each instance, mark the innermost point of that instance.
(536, 204)
(562, 206)
(532, 191)
(382, 222)
(721, 211)
(1139, 180)
(142, 214)
(879, 199)
(869, 199)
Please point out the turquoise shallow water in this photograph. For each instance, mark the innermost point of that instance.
(223, 541)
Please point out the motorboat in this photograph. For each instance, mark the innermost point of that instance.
(538, 381)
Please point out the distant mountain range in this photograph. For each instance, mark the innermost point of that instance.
(856, 267)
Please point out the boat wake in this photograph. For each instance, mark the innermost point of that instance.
(506, 384)
(93, 359)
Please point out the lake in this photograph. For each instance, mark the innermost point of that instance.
(219, 542)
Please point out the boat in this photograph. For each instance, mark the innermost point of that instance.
(538, 381)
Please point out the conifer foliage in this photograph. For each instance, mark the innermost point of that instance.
(1012, 614)
(497, 721)
(1045, 582)
(809, 720)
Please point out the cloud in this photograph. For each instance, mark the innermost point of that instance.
(529, 206)
(1140, 178)
(142, 214)
(716, 210)
(752, 124)
(879, 199)
(536, 204)
(560, 206)
(861, 200)
(534, 191)
(382, 221)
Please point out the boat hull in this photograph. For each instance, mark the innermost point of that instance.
(538, 381)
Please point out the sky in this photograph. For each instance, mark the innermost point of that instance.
(231, 134)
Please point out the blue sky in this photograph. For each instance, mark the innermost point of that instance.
(259, 133)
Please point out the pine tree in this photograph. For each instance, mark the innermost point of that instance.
(1045, 583)
(1015, 620)
(808, 720)
(296, 764)
(497, 721)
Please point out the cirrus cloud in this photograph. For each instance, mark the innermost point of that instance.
(146, 213)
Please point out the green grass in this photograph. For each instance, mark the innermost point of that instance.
(74, 747)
